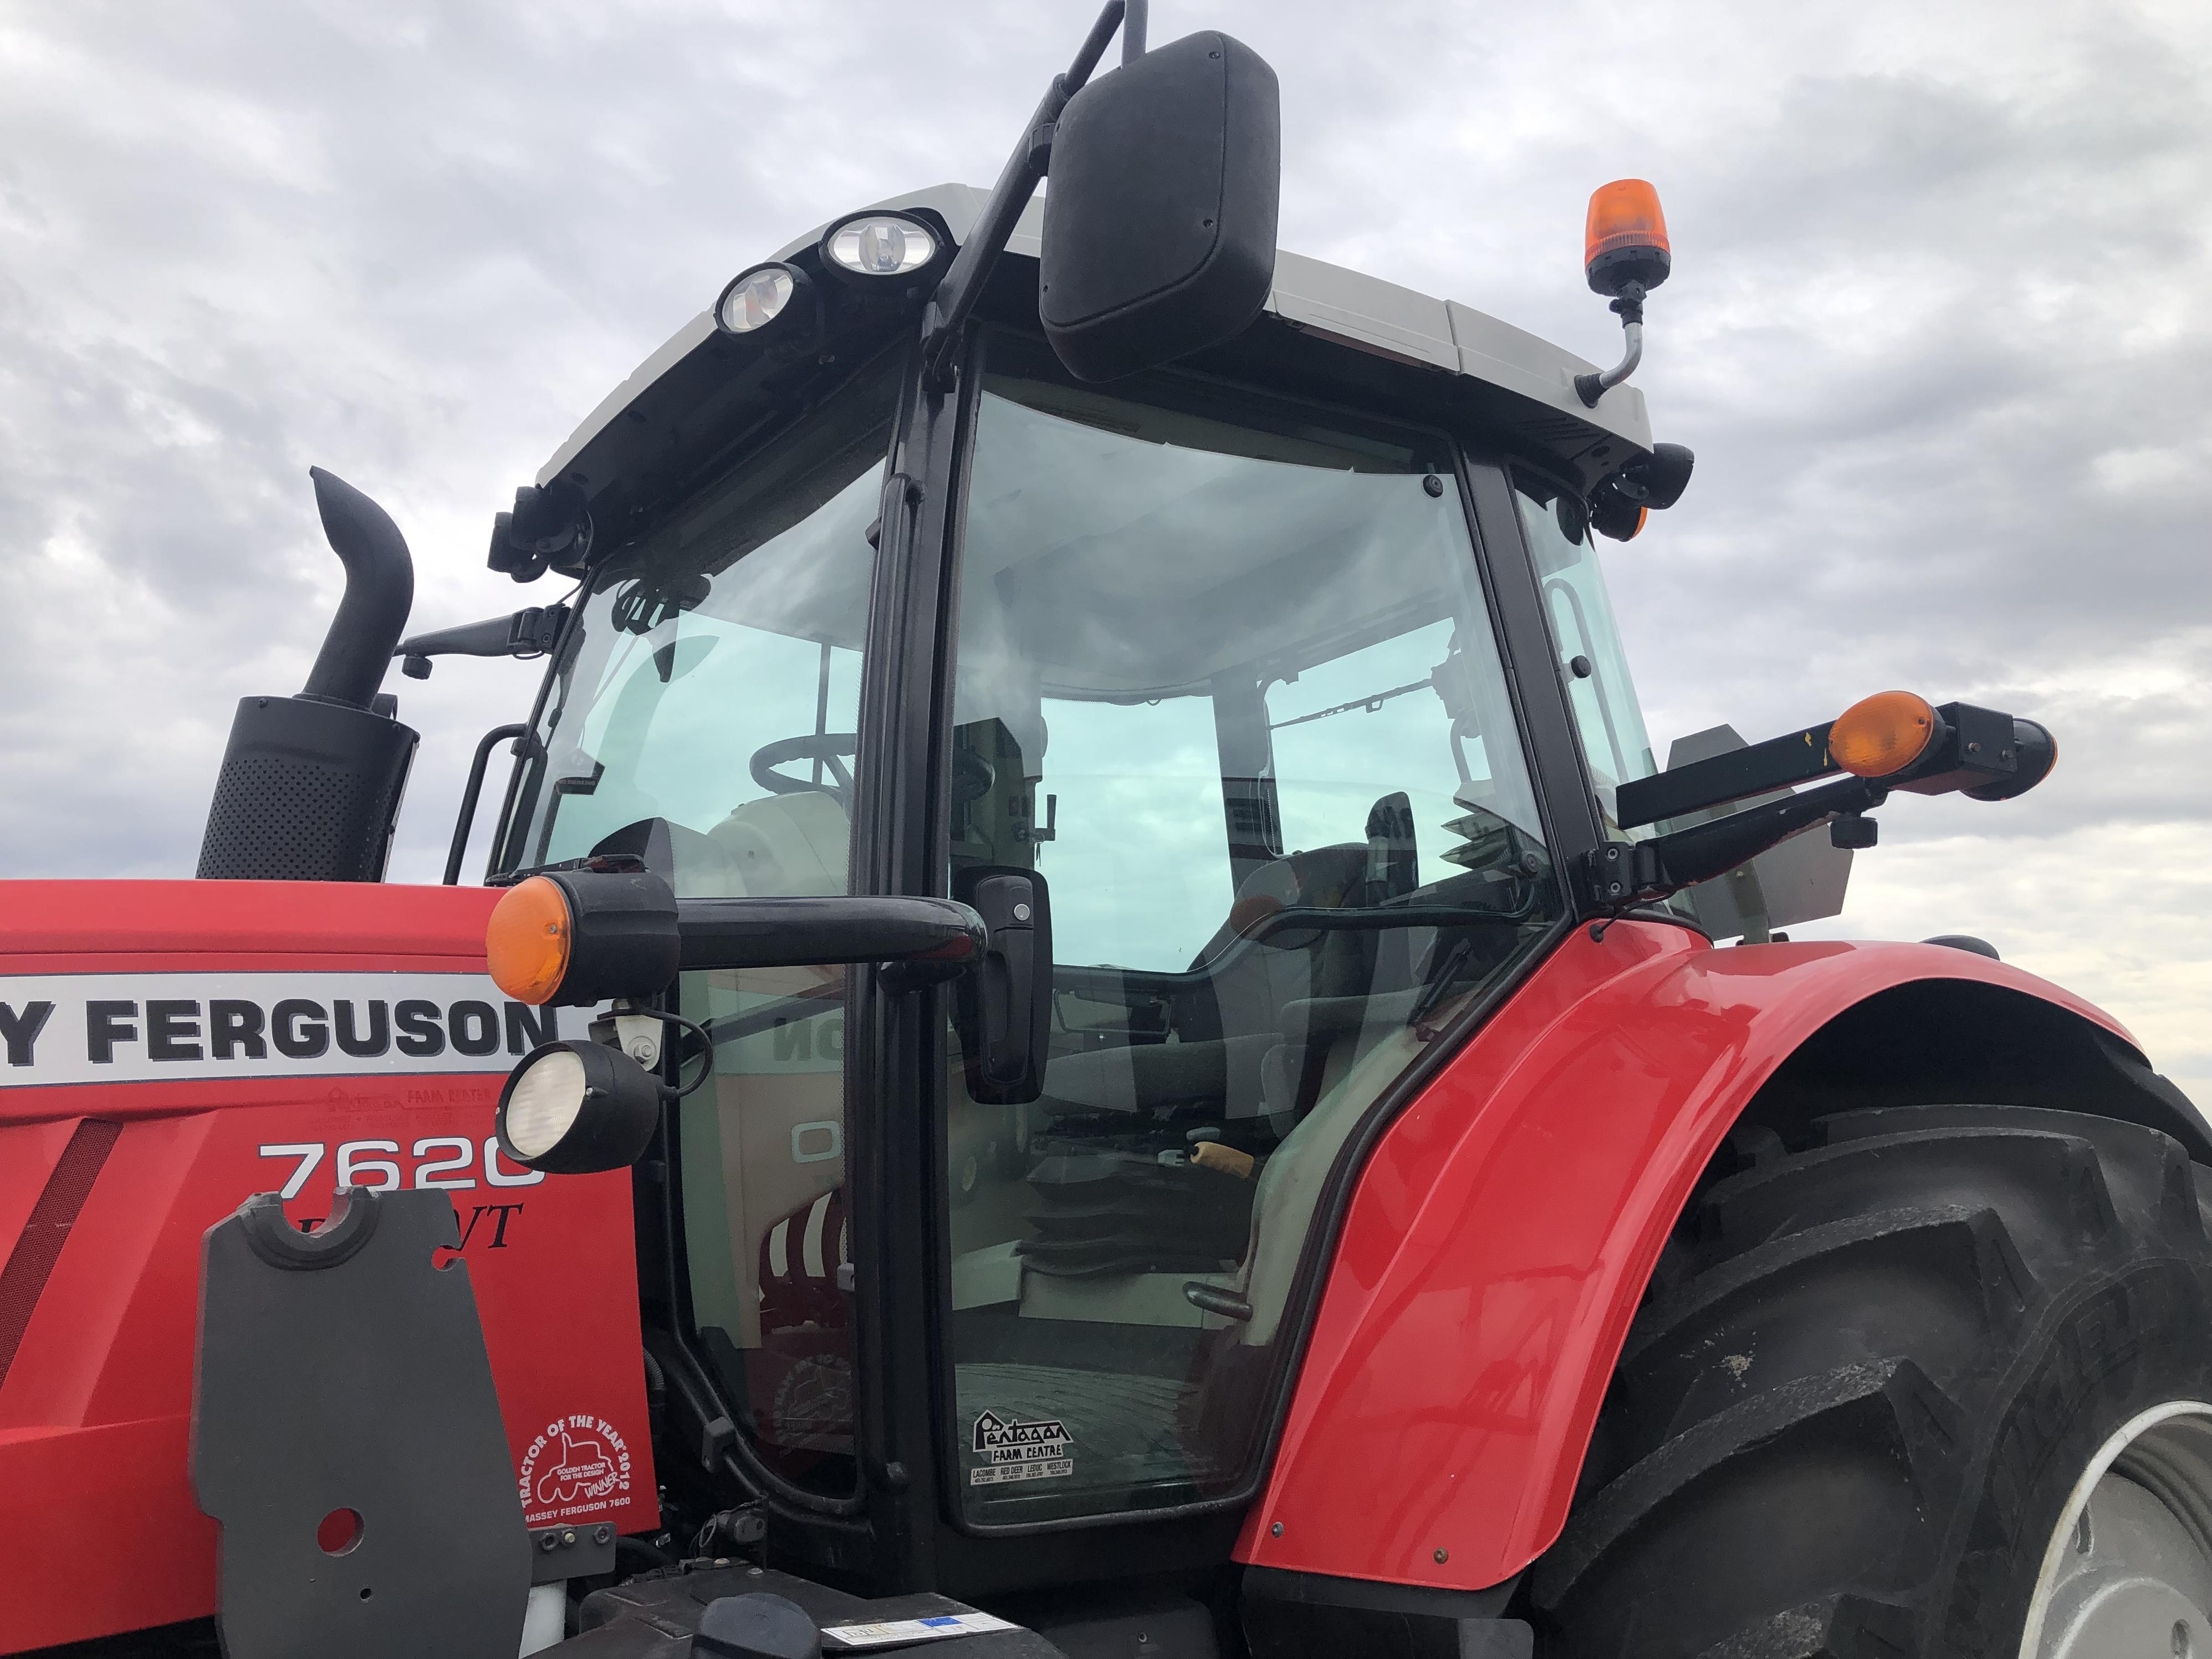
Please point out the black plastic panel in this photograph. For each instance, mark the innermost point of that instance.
(654, 1617)
(342, 1371)
(1159, 229)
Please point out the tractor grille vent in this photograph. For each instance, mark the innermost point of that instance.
(308, 792)
(287, 820)
(1562, 431)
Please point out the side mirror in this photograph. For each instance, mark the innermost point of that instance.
(1159, 226)
(578, 935)
(1004, 1005)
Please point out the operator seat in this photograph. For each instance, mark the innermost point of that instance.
(786, 846)
(1222, 1040)
(1106, 1205)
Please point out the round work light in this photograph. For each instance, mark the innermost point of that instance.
(878, 244)
(575, 1108)
(757, 297)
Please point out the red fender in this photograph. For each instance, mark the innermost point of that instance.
(1502, 1231)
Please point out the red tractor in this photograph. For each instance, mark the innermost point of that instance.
(1166, 1079)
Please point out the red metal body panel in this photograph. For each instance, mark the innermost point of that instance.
(95, 1403)
(1503, 1229)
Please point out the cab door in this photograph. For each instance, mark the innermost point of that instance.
(1225, 674)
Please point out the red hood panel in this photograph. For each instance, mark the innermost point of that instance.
(174, 1046)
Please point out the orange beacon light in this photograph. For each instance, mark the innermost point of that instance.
(1626, 255)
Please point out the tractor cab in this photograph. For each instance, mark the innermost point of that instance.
(1279, 677)
(1221, 672)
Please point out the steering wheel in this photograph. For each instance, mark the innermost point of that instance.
(972, 775)
(828, 747)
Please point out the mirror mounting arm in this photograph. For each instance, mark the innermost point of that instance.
(1135, 15)
(946, 317)
(1623, 874)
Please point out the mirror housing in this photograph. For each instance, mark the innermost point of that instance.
(1004, 1007)
(1159, 226)
(576, 935)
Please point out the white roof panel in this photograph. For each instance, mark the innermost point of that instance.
(1348, 306)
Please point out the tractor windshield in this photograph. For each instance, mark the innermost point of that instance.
(1226, 680)
(714, 684)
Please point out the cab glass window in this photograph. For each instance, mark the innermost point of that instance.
(1596, 668)
(706, 718)
(1226, 680)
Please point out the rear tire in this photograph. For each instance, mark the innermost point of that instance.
(1863, 1406)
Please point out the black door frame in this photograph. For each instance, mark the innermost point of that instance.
(897, 1097)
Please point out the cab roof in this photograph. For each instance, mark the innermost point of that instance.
(1344, 306)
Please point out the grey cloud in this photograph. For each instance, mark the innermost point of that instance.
(1937, 332)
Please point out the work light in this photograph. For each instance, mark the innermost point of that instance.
(878, 244)
(756, 297)
(573, 1108)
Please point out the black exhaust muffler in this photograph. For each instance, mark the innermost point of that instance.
(311, 785)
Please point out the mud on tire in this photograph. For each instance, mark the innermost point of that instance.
(1849, 1422)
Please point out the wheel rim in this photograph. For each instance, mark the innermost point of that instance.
(2129, 1568)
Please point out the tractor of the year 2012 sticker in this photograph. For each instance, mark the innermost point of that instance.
(1015, 1450)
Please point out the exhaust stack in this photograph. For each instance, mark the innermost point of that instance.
(311, 785)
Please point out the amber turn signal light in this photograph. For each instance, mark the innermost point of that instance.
(1878, 737)
(1624, 237)
(576, 937)
(528, 941)
(1612, 513)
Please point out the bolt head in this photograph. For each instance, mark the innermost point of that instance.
(1275, 1531)
(1442, 1555)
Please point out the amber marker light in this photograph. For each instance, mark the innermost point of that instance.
(526, 942)
(1878, 737)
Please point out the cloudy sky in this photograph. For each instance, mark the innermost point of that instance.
(1939, 334)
